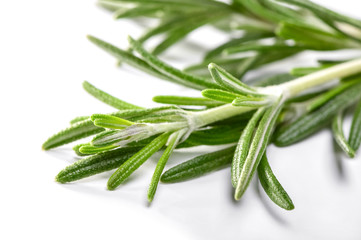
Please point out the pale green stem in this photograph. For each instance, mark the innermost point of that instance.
(167, 127)
(218, 113)
(301, 84)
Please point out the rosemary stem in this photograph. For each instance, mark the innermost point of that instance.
(168, 127)
(292, 88)
(218, 113)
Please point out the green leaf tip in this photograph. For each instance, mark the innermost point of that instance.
(172, 74)
(272, 186)
(75, 132)
(172, 143)
(133, 163)
(107, 98)
(95, 164)
(338, 134)
(109, 121)
(355, 131)
(199, 166)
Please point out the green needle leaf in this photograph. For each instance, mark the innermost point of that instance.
(314, 38)
(108, 99)
(314, 121)
(355, 132)
(239, 66)
(216, 135)
(248, 64)
(174, 37)
(168, 3)
(262, 48)
(258, 146)
(186, 101)
(74, 132)
(105, 138)
(133, 163)
(324, 98)
(188, 25)
(172, 143)
(88, 149)
(272, 187)
(135, 12)
(95, 164)
(330, 62)
(127, 58)
(322, 11)
(221, 95)
(174, 23)
(199, 166)
(339, 136)
(231, 65)
(77, 147)
(282, 10)
(108, 121)
(275, 80)
(243, 146)
(256, 7)
(302, 71)
(307, 96)
(226, 80)
(236, 42)
(182, 78)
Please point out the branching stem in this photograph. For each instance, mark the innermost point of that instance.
(288, 89)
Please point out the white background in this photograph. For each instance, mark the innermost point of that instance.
(44, 57)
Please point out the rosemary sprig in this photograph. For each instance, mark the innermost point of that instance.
(281, 109)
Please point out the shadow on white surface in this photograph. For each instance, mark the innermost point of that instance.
(269, 205)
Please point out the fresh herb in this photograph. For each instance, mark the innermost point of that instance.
(281, 109)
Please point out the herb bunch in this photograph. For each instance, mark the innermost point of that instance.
(282, 109)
